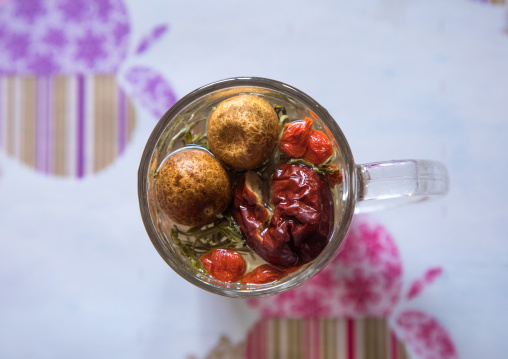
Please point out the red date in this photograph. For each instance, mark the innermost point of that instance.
(302, 218)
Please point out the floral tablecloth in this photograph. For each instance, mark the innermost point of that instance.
(82, 84)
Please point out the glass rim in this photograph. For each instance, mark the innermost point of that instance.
(349, 184)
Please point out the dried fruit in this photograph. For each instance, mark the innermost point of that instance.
(295, 138)
(263, 274)
(334, 177)
(192, 187)
(302, 217)
(299, 140)
(243, 131)
(319, 148)
(224, 264)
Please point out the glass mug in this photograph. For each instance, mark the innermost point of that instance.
(364, 188)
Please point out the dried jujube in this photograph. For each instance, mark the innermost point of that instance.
(299, 228)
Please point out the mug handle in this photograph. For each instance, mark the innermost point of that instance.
(389, 184)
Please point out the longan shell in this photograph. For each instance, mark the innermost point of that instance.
(192, 187)
(243, 131)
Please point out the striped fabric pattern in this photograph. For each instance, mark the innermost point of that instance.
(65, 125)
(498, 2)
(323, 338)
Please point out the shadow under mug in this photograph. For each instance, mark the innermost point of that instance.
(365, 187)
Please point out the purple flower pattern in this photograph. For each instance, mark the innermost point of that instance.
(147, 41)
(17, 45)
(152, 90)
(55, 38)
(74, 10)
(104, 8)
(42, 64)
(120, 33)
(81, 36)
(76, 37)
(91, 48)
(28, 10)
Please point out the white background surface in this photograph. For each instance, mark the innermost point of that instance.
(404, 79)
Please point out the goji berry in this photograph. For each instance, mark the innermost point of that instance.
(263, 274)
(295, 137)
(224, 264)
(319, 148)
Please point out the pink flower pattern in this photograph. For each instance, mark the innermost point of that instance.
(325, 280)
(375, 248)
(418, 285)
(391, 273)
(360, 291)
(283, 297)
(350, 252)
(311, 305)
(425, 336)
(363, 280)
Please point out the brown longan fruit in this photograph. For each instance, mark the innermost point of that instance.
(192, 187)
(243, 131)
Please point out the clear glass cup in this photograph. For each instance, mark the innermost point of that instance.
(365, 187)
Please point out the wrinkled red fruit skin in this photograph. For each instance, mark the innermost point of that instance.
(224, 264)
(302, 220)
(263, 274)
(295, 138)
